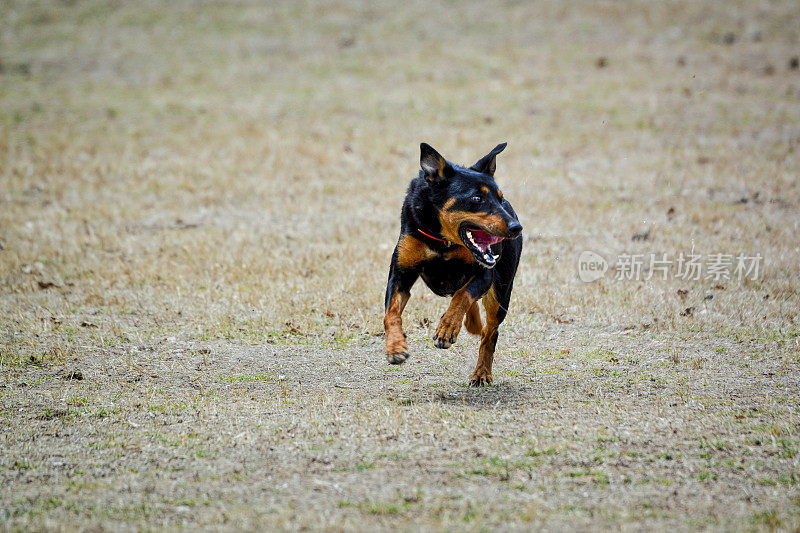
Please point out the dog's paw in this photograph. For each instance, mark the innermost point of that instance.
(480, 380)
(397, 358)
(446, 334)
(442, 343)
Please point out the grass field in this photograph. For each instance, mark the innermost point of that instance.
(199, 200)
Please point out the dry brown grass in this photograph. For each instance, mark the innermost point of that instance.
(227, 177)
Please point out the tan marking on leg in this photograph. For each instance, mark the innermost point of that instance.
(396, 348)
(483, 370)
(450, 324)
(472, 320)
(411, 251)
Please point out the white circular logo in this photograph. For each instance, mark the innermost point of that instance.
(591, 266)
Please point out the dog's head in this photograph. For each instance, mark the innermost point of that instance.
(472, 210)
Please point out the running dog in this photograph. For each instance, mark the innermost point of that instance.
(462, 237)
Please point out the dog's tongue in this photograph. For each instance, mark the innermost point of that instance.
(483, 239)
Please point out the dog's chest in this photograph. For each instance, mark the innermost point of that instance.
(446, 276)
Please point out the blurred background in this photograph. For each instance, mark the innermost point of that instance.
(199, 201)
(236, 169)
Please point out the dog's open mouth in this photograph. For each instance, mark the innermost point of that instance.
(478, 241)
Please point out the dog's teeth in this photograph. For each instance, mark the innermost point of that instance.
(469, 234)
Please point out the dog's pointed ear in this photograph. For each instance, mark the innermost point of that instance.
(487, 164)
(434, 166)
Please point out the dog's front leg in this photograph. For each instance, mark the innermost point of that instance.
(398, 291)
(463, 298)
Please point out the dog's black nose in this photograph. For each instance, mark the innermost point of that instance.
(514, 229)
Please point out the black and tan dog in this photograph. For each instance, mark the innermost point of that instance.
(461, 236)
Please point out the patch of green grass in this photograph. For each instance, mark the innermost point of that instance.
(136, 512)
(469, 513)
(358, 467)
(788, 449)
(52, 414)
(393, 455)
(383, 508)
(493, 466)
(601, 478)
(771, 519)
(481, 472)
(573, 509)
(528, 373)
(705, 475)
(255, 332)
(788, 479)
(781, 336)
(177, 407)
(52, 503)
(80, 400)
(246, 378)
(81, 485)
(533, 452)
(646, 480)
(186, 502)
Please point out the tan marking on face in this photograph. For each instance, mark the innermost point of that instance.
(452, 220)
(460, 253)
(449, 203)
(500, 193)
(485, 190)
(411, 251)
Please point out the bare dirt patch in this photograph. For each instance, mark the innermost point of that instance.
(624, 429)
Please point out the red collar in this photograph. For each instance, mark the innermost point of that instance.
(445, 241)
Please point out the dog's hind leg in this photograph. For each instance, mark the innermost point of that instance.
(472, 320)
(495, 313)
(495, 303)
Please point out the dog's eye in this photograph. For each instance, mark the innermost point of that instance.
(477, 199)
